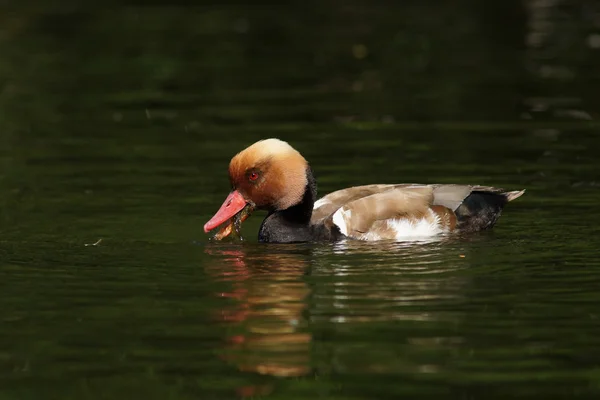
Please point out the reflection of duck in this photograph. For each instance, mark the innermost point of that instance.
(271, 175)
(386, 306)
(269, 301)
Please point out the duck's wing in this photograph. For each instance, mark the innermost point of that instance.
(377, 212)
(398, 213)
(327, 205)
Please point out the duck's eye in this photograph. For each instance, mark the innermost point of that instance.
(253, 176)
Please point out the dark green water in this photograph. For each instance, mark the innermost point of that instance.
(118, 122)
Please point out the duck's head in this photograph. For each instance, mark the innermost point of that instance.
(269, 175)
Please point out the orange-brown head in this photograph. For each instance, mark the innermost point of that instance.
(270, 175)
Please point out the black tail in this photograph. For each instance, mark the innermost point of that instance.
(480, 210)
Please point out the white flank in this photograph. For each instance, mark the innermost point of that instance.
(339, 220)
(319, 203)
(407, 229)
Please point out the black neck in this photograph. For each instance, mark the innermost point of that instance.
(291, 224)
(301, 212)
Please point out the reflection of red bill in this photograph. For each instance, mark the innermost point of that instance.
(254, 391)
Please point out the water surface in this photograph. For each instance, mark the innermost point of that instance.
(116, 130)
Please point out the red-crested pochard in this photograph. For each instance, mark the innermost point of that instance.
(271, 175)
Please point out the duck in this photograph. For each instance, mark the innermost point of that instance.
(271, 175)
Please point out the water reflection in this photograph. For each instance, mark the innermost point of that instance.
(400, 277)
(268, 330)
(281, 316)
(409, 293)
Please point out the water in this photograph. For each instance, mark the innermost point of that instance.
(116, 128)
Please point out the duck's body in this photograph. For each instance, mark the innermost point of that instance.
(271, 175)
